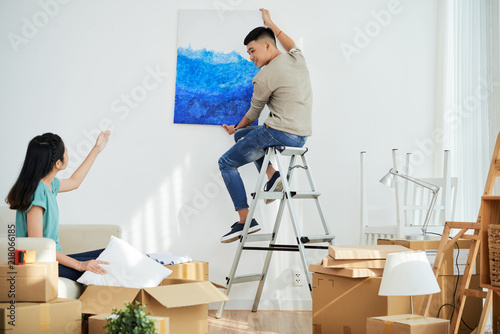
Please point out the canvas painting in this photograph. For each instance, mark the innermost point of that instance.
(214, 72)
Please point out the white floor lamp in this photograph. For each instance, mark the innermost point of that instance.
(408, 274)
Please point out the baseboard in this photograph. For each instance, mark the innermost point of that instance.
(268, 304)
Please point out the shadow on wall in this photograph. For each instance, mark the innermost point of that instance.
(185, 216)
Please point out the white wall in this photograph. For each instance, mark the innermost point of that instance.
(160, 181)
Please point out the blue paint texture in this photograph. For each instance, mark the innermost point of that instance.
(212, 87)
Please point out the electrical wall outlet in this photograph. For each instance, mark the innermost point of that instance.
(297, 277)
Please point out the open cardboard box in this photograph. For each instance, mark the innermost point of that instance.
(184, 302)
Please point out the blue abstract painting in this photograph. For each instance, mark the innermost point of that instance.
(212, 87)
(213, 82)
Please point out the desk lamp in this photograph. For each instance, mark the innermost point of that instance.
(389, 180)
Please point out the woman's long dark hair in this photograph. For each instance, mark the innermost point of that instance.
(41, 156)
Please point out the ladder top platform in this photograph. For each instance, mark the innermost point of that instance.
(289, 150)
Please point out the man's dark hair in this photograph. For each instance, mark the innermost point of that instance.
(258, 33)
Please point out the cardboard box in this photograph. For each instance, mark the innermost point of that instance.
(194, 270)
(448, 267)
(330, 262)
(473, 306)
(57, 316)
(184, 302)
(364, 252)
(97, 322)
(346, 272)
(342, 305)
(406, 324)
(33, 282)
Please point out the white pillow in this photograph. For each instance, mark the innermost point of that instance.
(127, 267)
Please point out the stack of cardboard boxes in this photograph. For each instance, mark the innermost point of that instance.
(183, 298)
(29, 303)
(451, 269)
(345, 289)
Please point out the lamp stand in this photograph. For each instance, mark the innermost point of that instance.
(424, 235)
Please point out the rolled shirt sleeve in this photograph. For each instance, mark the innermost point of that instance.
(260, 97)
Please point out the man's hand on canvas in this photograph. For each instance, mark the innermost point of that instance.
(284, 39)
(229, 129)
(266, 17)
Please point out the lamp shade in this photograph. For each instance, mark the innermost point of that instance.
(388, 179)
(408, 274)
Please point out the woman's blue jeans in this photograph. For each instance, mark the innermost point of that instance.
(75, 274)
(250, 146)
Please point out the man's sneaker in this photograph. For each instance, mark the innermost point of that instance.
(274, 184)
(237, 229)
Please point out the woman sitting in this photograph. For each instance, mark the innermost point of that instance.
(34, 197)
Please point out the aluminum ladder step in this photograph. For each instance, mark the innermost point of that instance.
(246, 278)
(295, 194)
(288, 150)
(316, 238)
(259, 237)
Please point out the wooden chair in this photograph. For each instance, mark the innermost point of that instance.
(411, 203)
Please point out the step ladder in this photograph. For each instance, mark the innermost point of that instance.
(286, 198)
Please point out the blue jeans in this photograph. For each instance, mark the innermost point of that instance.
(250, 146)
(75, 274)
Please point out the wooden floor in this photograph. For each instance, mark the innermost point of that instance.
(261, 322)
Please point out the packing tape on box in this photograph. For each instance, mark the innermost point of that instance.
(44, 316)
(389, 324)
(388, 327)
(163, 328)
(30, 256)
(343, 294)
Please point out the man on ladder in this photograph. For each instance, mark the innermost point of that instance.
(284, 85)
